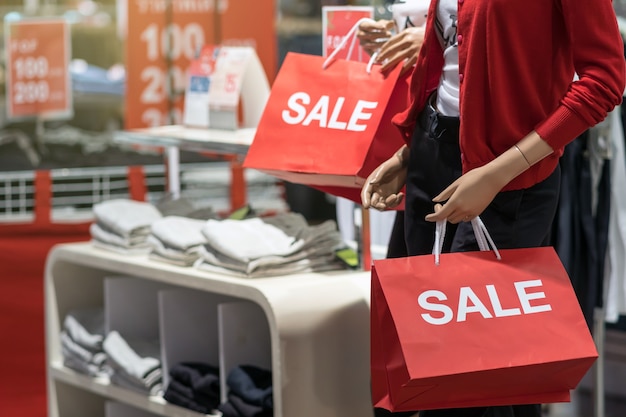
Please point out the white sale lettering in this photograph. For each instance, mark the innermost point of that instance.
(470, 302)
(298, 112)
(422, 300)
(525, 298)
(466, 294)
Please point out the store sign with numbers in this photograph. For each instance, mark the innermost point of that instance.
(37, 67)
(163, 36)
(336, 23)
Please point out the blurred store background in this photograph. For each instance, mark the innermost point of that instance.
(52, 172)
(80, 152)
(73, 163)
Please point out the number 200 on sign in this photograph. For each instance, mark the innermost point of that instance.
(31, 92)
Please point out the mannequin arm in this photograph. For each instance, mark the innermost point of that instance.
(469, 195)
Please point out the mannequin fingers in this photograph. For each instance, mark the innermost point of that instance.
(394, 200)
(365, 199)
(446, 194)
(458, 218)
(378, 202)
(367, 194)
(442, 212)
(378, 26)
(378, 38)
(408, 64)
(391, 49)
(387, 65)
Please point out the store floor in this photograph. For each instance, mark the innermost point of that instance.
(583, 405)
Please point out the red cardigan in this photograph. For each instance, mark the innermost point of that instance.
(517, 60)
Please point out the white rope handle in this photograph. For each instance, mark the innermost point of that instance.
(486, 236)
(440, 234)
(371, 62)
(485, 242)
(351, 35)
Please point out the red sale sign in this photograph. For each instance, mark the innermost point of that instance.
(163, 37)
(38, 80)
(336, 24)
(251, 23)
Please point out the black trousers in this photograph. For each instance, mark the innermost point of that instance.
(515, 219)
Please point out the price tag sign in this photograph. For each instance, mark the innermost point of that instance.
(38, 79)
(336, 23)
(228, 76)
(238, 77)
(196, 112)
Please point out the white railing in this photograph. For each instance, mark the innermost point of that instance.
(74, 191)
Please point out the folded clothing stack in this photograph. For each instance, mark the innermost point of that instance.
(195, 386)
(250, 393)
(176, 240)
(269, 246)
(134, 363)
(123, 225)
(81, 341)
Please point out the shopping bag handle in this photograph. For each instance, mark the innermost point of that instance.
(351, 35)
(483, 238)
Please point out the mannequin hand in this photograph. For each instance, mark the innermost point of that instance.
(372, 35)
(382, 187)
(468, 196)
(405, 46)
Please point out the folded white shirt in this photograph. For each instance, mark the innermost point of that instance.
(248, 239)
(320, 264)
(126, 217)
(101, 234)
(178, 232)
(324, 248)
(163, 253)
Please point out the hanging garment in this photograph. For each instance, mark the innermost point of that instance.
(616, 261)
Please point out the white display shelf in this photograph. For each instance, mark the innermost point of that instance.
(175, 138)
(104, 388)
(228, 142)
(317, 346)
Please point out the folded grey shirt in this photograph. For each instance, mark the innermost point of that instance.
(137, 357)
(249, 239)
(86, 327)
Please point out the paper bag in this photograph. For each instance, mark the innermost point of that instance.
(476, 331)
(328, 128)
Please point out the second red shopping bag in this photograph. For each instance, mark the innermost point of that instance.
(328, 128)
(476, 331)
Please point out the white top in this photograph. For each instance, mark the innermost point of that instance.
(448, 90)
(409, 13)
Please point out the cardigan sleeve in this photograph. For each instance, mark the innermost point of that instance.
(598, 52)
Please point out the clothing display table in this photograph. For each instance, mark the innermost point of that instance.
(310, 330)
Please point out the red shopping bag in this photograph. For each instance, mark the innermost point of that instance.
(328, 128)
(476, 331)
